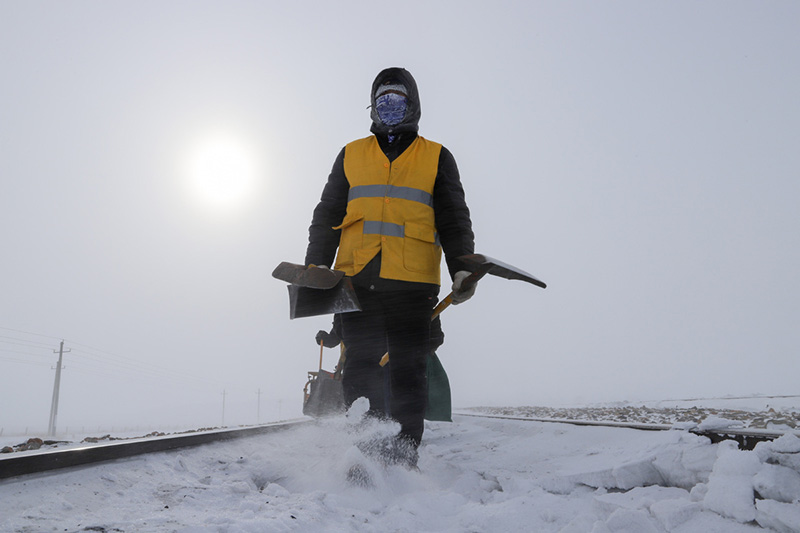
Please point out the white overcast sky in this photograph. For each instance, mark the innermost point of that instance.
(640, 157)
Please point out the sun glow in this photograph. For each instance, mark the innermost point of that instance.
(221, 173)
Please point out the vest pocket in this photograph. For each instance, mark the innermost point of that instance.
(352, 238)
(420, 251)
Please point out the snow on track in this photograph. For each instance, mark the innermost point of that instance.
(475, 475)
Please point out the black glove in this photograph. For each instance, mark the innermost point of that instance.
(329, 340)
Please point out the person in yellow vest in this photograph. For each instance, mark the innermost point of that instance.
(392, 204)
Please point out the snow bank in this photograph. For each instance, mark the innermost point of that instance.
(475, 475)
(730, 487)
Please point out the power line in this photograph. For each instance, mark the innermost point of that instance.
(128, 365)
(24, 342)
(106, 358)
(23, 353)
(30, 333)
(88, 360)
(24, 361)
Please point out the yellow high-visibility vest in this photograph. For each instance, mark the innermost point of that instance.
(390, 210)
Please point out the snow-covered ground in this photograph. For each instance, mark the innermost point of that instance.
(475, 475)
(758, 412)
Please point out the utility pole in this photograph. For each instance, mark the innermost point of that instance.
(258, 410)
(51, 428)
(224, 393)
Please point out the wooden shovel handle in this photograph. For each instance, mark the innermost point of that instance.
(444, 304)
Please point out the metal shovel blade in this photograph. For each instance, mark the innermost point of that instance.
(483, 264)
(307, 301)
(313, 277)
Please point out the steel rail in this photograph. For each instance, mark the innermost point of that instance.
(747, 438)
(23, 463)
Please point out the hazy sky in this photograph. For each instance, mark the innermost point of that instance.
(640, 157)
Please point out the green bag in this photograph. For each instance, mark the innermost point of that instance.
(439, 407)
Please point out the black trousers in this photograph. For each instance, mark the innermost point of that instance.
(397, 322)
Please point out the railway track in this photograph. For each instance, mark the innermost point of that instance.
(746, 437)
(23, 463)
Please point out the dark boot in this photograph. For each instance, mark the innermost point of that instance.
(391, 451)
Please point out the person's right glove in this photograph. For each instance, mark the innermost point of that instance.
(329, 340)
(460, 296)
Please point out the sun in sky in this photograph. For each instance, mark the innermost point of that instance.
(221, 172)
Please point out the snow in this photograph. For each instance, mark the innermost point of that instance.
(475, 475)
(730, 486)
(716, 423)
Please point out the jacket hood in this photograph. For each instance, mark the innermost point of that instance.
(410, 122)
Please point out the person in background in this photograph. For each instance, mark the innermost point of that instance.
(440, 382)
(393, 203)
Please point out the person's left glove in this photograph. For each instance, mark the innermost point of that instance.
(462, 295)
(329, 340)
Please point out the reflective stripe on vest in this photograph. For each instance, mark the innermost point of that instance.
(376, 227)
(390, 191)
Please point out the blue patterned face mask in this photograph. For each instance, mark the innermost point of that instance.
(391, 108)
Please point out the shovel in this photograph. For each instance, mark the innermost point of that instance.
(316, 290)
(480, 265)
